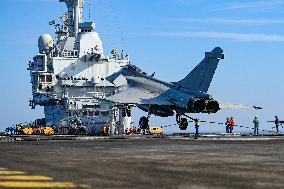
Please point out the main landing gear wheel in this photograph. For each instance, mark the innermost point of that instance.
(144, 122)
(183, 124)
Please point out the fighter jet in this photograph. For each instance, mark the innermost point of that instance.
(164, 99)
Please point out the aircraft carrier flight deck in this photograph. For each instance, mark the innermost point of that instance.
(135, 162)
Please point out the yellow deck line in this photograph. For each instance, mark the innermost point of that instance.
(42, 185)
(19, 179)
(25, 177)
(6, 172)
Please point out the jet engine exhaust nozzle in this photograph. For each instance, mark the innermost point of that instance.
(212, 106)
(199, 106)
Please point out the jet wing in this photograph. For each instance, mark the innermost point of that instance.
(127, 96)
(135, 95)
(224, 105)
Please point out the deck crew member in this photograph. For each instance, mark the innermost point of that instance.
(196, 124)
(256, 125)
(232, 122)
(277, 122)
(227, 124)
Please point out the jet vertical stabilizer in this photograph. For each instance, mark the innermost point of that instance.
(199, 79)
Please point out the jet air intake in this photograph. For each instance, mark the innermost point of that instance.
(157, 110)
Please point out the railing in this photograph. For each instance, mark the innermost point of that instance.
(70, 53)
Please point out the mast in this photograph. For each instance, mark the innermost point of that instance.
(75, 15)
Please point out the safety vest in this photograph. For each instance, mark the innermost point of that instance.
(196, 123)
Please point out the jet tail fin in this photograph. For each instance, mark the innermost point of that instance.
(199, 79)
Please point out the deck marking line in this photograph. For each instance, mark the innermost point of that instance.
(25, 177)
(42, 185)
(6, 172)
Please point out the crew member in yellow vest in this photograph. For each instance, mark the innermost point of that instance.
(196, 124)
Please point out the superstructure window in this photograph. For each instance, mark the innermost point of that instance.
(41, 78)
(39, 62)
(105, 113)
(95, 106)
(49, 78)
(34, 79)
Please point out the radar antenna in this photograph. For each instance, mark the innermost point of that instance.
(89, 9)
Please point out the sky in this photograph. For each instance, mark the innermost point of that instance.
(168, 37)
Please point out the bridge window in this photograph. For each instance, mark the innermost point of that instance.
(49, 78)
(41, 78)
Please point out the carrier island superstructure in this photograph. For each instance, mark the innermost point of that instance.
(68, 76)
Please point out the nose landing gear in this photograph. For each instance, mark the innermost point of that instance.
(144, 122)
(182, 122)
